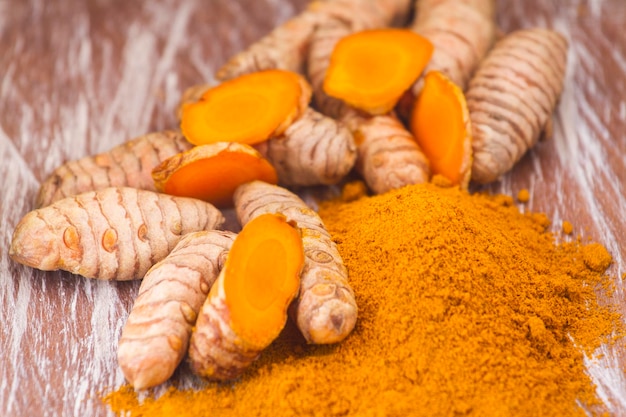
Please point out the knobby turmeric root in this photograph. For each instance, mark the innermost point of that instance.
(363, 14)
(247, 306)
(116, 233)
(212, 172)
(512, 97)
(462, 32)
(325, 311)
(283, 48)
(286, 47)
(314, 150)
(129, 164)
(247, 109)
(342, 19)
(440, 123)
(156, 335)
(371, 69)
(388, 157)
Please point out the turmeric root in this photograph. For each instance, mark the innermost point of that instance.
(129, 164)
(156, 335)
(116, 233)
(212, 172)
(247, 109)
(286, 47)
(462, 32)
(247, 306)
(342, 19)
(314, 150)
(191, 95)
(283, 48)
(293, 40)
(512, 98)
(388, 157)
(371, 69)
(440, 123)
(325, 310)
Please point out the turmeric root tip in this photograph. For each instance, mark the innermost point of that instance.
(247, 307)
(440, 123)
(248, 109)
(212, 172)
(371, 69)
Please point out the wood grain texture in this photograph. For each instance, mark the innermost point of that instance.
(78, 77)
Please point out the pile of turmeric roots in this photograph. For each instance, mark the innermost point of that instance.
(394, 91)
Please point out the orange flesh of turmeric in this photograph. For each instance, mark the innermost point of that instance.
(371, 69)
(246, 109)
(262, 277)
(215, 179)
(438, 123)
(213, 172)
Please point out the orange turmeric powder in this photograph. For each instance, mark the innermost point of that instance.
(467, 308)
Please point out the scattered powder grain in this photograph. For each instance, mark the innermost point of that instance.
(523, 196)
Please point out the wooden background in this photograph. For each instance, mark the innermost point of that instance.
(80, 76)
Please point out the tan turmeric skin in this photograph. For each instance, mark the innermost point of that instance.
(156, 334)
(116, 233)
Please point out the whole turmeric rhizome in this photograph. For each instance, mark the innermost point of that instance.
(217, 296)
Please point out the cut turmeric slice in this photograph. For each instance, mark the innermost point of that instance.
(326, 310)
(212, 172)
(247, 306)
(370, 70)
(440, 123)
(247, 109)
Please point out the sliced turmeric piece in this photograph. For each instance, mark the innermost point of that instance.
(440, 123)
(247, 306)
(388, 157)
(286, 46)
(326, 309)
(371, 69)
(314, 150)
(191, 95)
(247, 109)
(212, 172)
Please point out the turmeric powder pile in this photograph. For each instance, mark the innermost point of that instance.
(467, 307)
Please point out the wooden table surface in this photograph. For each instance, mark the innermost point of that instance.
(80, 76)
